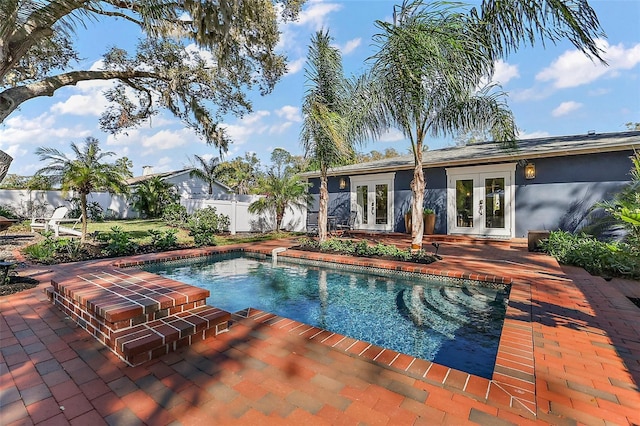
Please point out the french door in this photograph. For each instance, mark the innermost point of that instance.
(372, 200)
(480, 200)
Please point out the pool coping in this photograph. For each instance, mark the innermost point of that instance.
(513, 381)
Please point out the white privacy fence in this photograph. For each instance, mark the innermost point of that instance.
(242, 220)
(42, 203)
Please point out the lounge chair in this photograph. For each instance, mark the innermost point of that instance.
(346, 227)
(312, 223)
(54, 222)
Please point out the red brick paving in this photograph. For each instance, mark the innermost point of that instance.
(569, 353)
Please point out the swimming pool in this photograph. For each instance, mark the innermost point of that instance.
(454, 324)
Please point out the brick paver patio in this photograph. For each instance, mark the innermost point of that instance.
(569, 354)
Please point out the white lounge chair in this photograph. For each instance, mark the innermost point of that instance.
(53, 223)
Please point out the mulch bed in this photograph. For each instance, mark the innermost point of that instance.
(17, 284)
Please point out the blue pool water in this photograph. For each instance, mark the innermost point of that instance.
(455, 325)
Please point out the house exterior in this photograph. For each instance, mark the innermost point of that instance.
(187, 187)
(484, 190)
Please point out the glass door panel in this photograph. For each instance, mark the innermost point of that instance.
(382, 204)
(494, 202)
(362, 194)
(464, 203)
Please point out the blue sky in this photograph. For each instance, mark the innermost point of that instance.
(553, 90)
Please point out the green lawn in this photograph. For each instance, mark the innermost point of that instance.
(138, 228)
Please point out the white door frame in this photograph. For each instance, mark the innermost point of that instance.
(371, 181)
(478, 174)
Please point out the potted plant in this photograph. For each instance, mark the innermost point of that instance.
(407, 222)
(429, 220)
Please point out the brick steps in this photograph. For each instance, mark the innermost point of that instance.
(136, 314)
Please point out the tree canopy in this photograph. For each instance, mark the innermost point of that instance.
(195, 58)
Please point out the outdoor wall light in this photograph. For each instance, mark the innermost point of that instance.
(530, 171)
(343, 183)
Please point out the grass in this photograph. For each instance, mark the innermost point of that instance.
(139, 231)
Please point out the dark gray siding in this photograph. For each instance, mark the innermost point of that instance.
(566, 188)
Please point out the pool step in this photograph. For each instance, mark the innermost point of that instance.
(138, 315)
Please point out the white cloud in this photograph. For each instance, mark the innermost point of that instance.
(296, 66)
(504, 72)
(573, 68)
(289, 112)
(391, 135)
(39, 130)
(599, 92)
(93, 104)
(132, 137)
(14, 150)
(165, 164)
(350, 46)
(278, 129)
(255, 117)
(167, 139)
(250, 125)
(565, 108)
(314, 16)
(531, 94)
(294, 37)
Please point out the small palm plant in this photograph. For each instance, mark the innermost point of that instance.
(85, 173)
(208, 171)
(281, 192)
(152, 196)
(625, 207)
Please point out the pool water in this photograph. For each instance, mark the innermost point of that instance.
(454, 325)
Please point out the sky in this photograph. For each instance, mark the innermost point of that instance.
(553, 90)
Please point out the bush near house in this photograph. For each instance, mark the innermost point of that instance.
(606, 259)
(203, 224)
(364, 249)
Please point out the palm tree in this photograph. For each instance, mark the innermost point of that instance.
(509, 24)
(281, 192)
(324, 133)
(151, 196)
(425, 80)
(208, 171)
(84, 173)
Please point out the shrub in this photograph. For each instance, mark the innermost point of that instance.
(362, 248)
(53, 250)
(119, 243)
(7, 212)
(204, 224)
(175, 215)
(597, 257)
(95, 212)
(163, 240)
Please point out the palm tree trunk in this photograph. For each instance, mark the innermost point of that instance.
(279, 217)
(417, 188)
(322, 209)
(83, 207)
